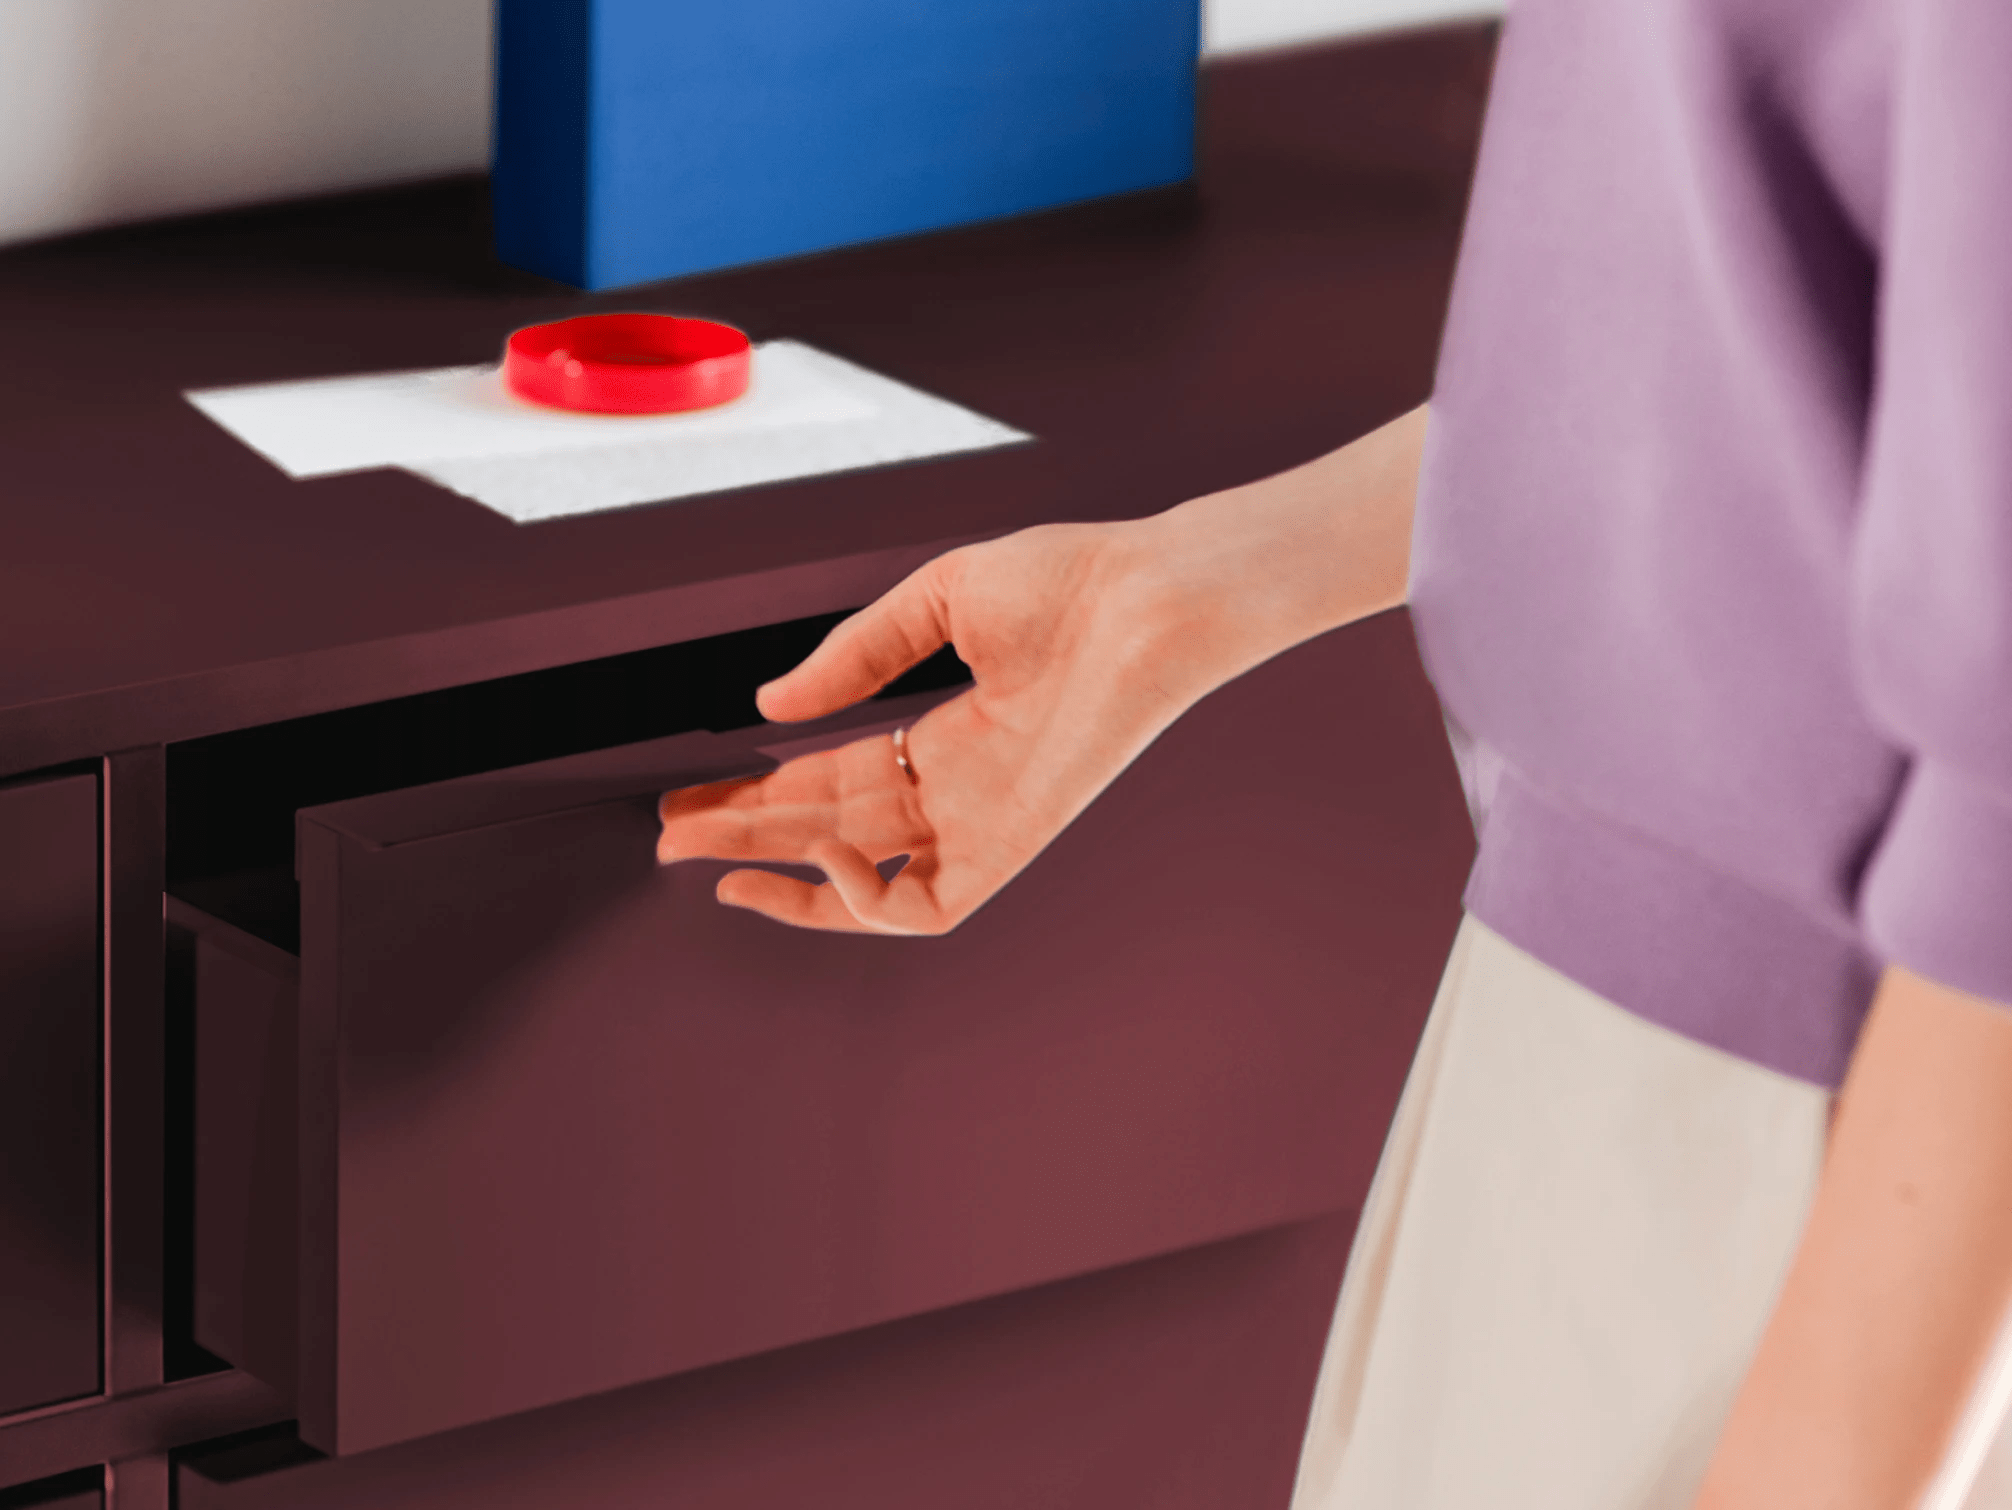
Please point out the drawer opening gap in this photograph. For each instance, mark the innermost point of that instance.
(232, 797)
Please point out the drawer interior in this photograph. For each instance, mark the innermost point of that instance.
(232, 797)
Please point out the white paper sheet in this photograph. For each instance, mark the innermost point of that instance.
(806, 412)
(394, 419)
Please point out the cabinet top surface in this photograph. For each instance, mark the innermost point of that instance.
(159, 580)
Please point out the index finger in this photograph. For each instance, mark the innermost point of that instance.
(691, 799)
(901, 628)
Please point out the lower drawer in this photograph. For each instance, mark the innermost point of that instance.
(1180, 1383)
(561, 1123)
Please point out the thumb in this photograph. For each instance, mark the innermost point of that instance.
(904, 626)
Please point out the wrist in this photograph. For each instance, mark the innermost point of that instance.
(1224, 582)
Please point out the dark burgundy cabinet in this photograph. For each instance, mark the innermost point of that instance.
(567, 1124)
(49, 1090)
(381, 1126)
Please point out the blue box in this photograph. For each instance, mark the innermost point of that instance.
(644, 139)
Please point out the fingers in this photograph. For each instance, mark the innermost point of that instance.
(789, 901)
(905, 625)
(856, 790)
(773, 817)
(722, 833)
(839, 810)
(857, 883)
(854, 900)
(692, 799)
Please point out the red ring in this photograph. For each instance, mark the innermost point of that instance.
(629, 363)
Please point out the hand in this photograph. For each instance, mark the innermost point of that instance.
(1085, 641)
(1059, 630)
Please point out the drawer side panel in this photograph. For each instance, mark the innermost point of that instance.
(246, 1201)
(51, 1076)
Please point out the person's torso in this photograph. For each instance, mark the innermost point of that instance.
(1630, 574)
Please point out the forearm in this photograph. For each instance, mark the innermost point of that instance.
(1902, 1276)
(1241, 575)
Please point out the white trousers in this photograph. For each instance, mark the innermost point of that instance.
(1571, 1246)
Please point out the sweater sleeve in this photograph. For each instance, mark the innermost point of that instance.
(1931, 577)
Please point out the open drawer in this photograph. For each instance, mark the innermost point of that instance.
(531, 1118)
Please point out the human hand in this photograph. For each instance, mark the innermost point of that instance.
(1060, 630)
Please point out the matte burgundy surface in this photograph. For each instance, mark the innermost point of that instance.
(50, 1072)
(246, 1149)
(568, 1124)
(1176, 1384)
(138, 1421)
(135, 796)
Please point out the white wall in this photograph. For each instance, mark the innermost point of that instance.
(1237, 26)
(117, 110)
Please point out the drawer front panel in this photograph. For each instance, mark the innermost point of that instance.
(50, 1081)
(1176, 1384)
(569, 1124)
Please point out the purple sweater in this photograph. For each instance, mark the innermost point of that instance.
(1713, 562)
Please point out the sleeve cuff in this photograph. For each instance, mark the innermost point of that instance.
(1937, 897)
